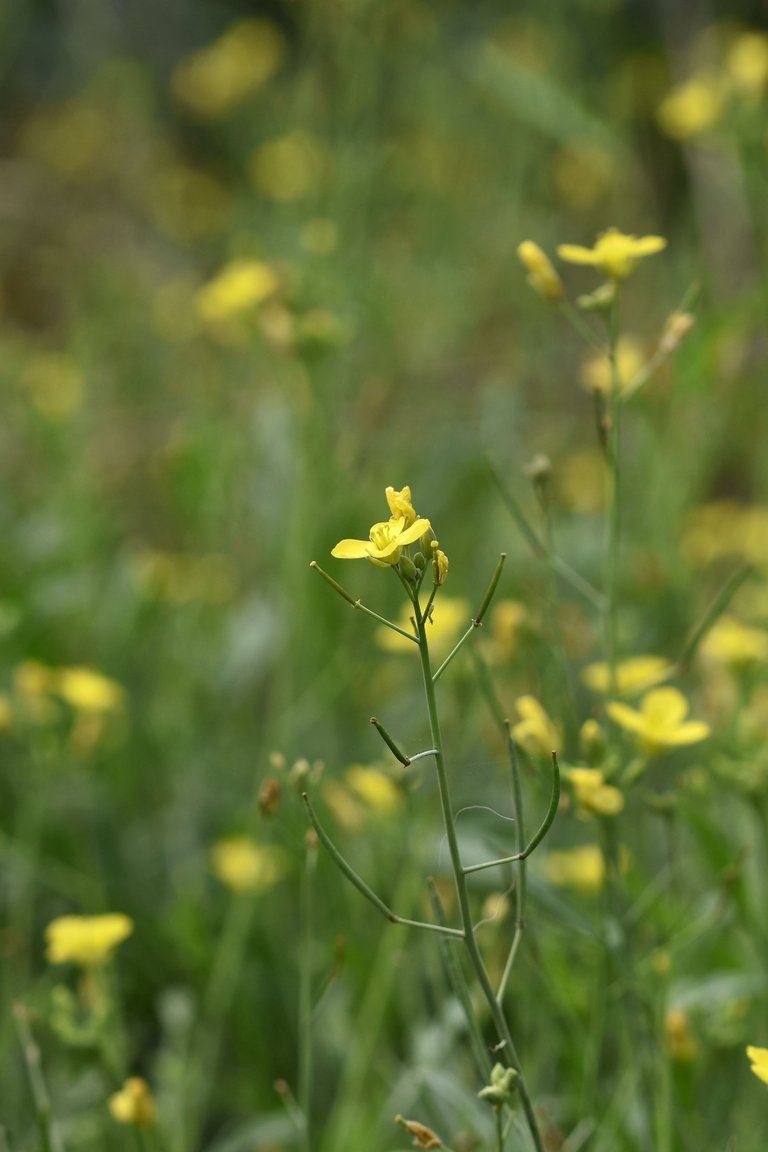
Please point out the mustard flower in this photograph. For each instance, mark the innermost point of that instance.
(679, 1036)
(593, 796)
(213, 81)
(537, 734)
(133, 1104)
(238, 287)
(596, 373)
(758, 1058)
(692, 108)
(400, 504)
(660, 721)
(88, 691)
(385, 542)
(734, 643)
(747, 64)
(375, 788)
(632, 675)
(245, 866)
(88, 941)
(542, 277)
(615, 253)
(449, 616)
(581, 868)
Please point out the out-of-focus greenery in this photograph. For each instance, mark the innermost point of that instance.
(257, 262)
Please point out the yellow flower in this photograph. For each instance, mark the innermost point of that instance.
(747, 64)
(375, 788)
(86, 940)
(87, 691)
(133, 1104)
(449, 614)
(542, 277)
(55, 384)
(237, 288)
(287, 168)
(679, 1036)
(731, 642)
(614, 253)
(384, 543)
(582, 868)
(632, 675)
(596, 374)
(245, 866)
(592, 794)
(400, 504)
(661, 721)
(759, 1062)
(535, 731)
(691, 108)
(215, 80)
(509, 619)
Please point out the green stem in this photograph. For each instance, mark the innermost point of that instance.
(49, 1136)
(613, 521)
(713, 614)
(476, 960)
(305, 997)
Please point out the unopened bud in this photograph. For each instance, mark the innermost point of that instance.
(408, 569)
(676, 329)
(502, 1086)
(542, 277)
(269, 795)
(439, 567)
(601, 300)
(592, 742)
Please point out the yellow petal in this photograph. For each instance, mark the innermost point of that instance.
(626, 717)
(690, 733)
(664, 708)
(352, 549)
(647, 245)
(417, 529)
(575, 254)
(759, 1061)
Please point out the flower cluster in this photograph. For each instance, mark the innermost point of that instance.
(388, 539)
(88, 941)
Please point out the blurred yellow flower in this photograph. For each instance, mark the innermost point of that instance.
(580, 481)
(238, 287)
(6, 713)
(213, 81)
(582, 868)
(727, 529)
(731, 642)
(758, 1058)
(72, 139)
(348, 810)
(633, 675)
(384, 544)
(447, 618)
(692, 108)
(535, 732)
(86, 940)
(509, 620)
(615, 253)
(596, 374)
(592, 794)
(54, 383)
(245, 866)
(375, 788)
(287, 168)
(746, 64)
(87, 691)
(660, 722)
(133, 1104)
(679, 1036)
(541, 274)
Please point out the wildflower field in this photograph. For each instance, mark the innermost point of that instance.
(384, 602)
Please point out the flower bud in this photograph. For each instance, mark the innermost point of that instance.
(601, 300)
(676, 329)
(542, 277)
(502, 1086)
(408, 569)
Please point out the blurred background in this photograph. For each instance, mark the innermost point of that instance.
(257, 262)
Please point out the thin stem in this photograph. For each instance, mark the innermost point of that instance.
(563, 569)
(613, 521)
(361, 885)
(359, 604)
(477, 620)
(499, 1130)
(305, 995)
(497, 1013)
(713, 614)
(521, 885)
(49, 1136)
(585, 330)
(544, 827)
